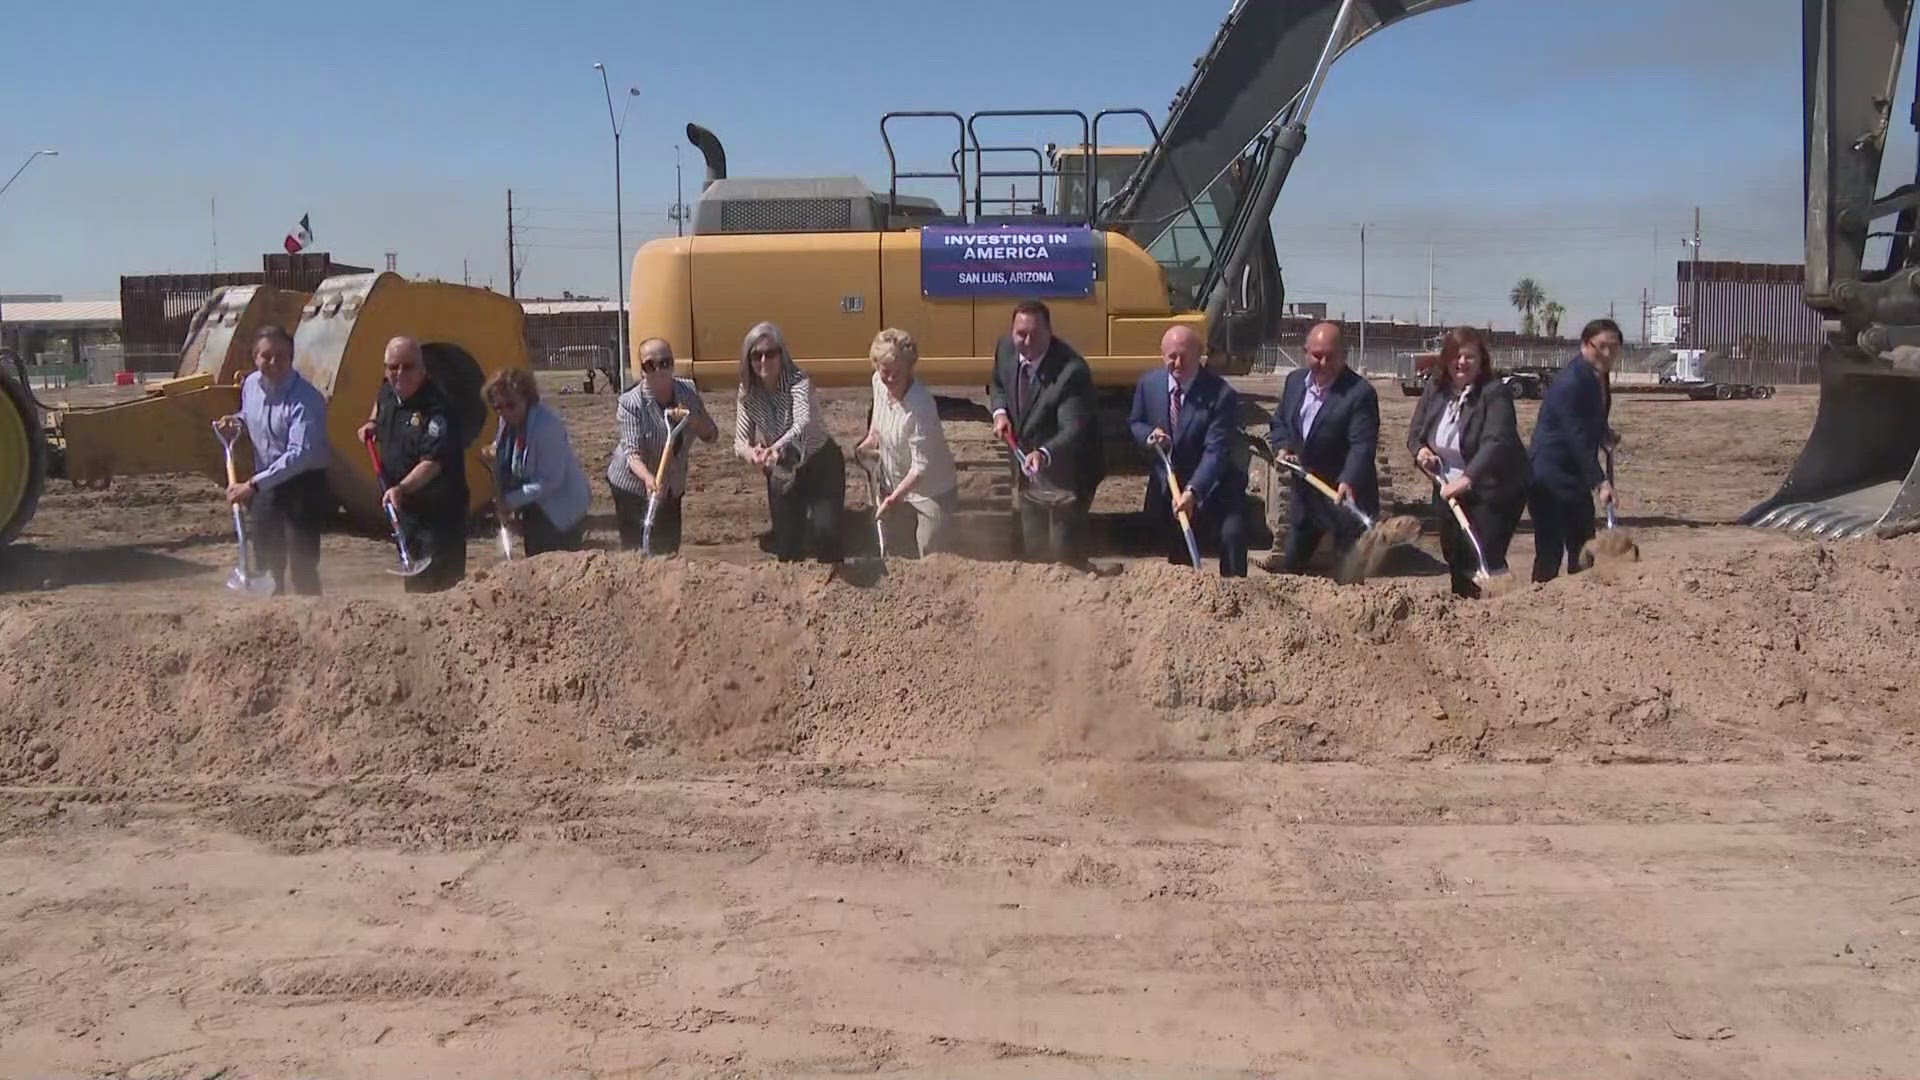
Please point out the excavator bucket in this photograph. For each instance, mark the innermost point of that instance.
(220, 342)
(1859, 473)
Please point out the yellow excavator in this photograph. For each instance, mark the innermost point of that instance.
(1138, 240)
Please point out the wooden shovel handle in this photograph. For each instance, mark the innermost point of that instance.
(1174, 492)
(666, 451)
(1319, 485)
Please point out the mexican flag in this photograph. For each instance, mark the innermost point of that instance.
(299, 237)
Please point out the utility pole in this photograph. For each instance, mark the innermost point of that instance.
(679, 205)
(1363, 295)
(619, 238)
(512, 277)
(465, 278)
(1693, 305)
(1429, 283)
(1646, 319)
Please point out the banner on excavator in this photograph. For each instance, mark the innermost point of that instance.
(1011, 260)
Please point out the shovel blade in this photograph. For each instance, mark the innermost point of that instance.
(412, 569)
(252, 585)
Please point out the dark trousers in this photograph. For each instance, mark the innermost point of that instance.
(539, 534)
(439, 533)
(630, 514)
(1493, 524)
(1311, 518)
(284, 525)
(1562, 525)
(1220, 528)
(1053, 534)
(808, 512)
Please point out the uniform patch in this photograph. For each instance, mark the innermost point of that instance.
(434, 427)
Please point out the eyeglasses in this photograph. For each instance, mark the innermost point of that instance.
(766, 354)
(401, 367)
(656, 365)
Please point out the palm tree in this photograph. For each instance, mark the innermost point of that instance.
(1550, 317)
(1526, 296)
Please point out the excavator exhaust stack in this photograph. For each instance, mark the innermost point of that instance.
(1859, 473)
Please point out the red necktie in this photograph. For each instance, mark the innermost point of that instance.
(1173, 409)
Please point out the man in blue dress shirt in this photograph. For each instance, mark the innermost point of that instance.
(286, 498)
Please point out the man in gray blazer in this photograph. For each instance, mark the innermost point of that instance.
(1042, 398)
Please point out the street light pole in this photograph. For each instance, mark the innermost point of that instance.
(619, 237)
(23, 167)
(3, 191)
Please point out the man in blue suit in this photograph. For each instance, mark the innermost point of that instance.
(1565, 453)
(1193, 413)
(1329, 422)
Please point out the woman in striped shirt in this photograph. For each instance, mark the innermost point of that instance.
(778, 426)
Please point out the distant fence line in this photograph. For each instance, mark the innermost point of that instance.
(575, 341)
(1786, 367)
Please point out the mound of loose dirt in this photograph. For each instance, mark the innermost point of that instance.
(582, 663)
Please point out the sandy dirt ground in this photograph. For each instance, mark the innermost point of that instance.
(593, 815)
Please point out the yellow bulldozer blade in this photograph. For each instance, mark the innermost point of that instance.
(1858, 475)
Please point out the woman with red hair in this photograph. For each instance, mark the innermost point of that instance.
(1465, 433)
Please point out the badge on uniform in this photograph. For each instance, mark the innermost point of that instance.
(414, 420)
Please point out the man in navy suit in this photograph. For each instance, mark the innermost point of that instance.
(1193, 413)
(1565, 454)
(1329, 422)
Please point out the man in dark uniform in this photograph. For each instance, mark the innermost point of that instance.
(423, 457)
(1042, 393)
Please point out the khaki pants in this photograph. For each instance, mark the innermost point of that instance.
(927, 525)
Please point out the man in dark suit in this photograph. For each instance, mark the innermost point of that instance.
(1194, 414)
(1565, 454)
(1042, 394)
(1329, 422)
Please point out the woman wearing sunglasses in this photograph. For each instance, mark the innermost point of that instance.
(778, 426)
(646, 414)
(540, 489)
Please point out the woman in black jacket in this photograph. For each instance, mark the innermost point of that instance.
(1464, 431)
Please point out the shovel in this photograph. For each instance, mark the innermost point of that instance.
(875, 494)
(1365, 556)
(244, 578)
(408, 567)
(659, 480)
(1037, 489)
(1174, 493)
(1489, 582)
(1614, 544)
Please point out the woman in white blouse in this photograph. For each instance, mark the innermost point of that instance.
(778, 426)
(1465, 433)
(916, 466)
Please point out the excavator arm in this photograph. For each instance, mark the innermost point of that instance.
(1251, 78)
(1859, 472)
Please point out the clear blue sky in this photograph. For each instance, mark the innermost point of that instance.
(1561, 139)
